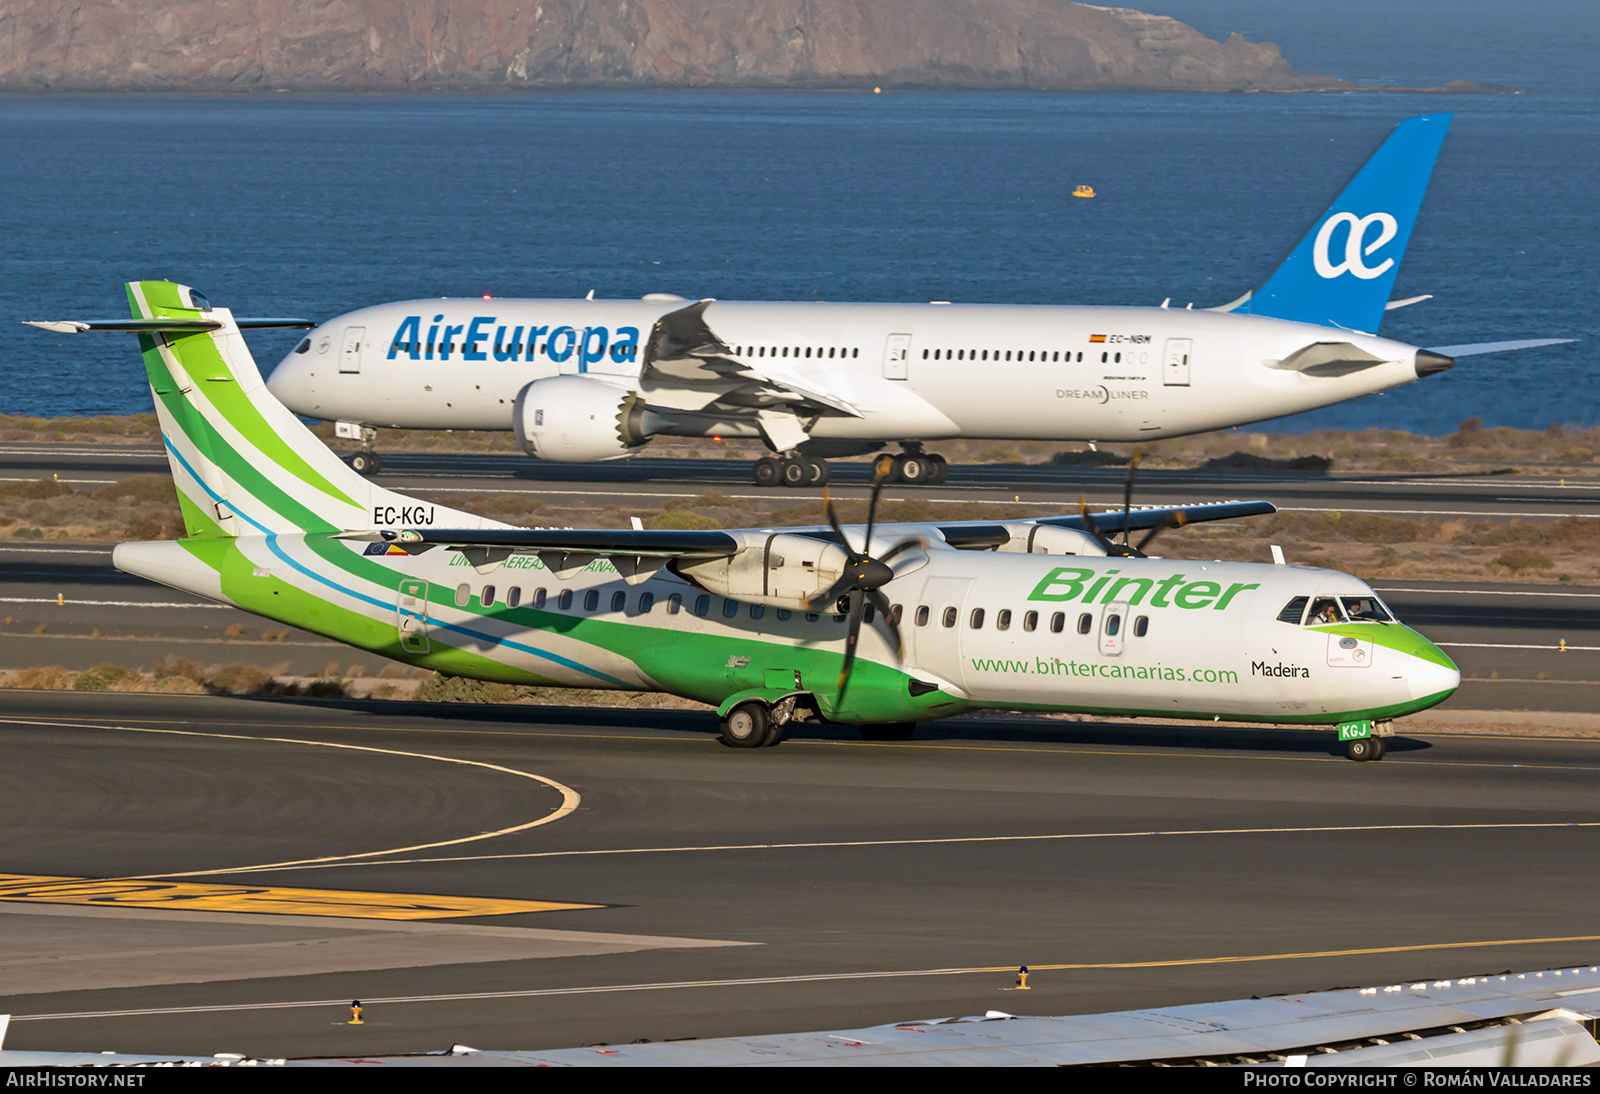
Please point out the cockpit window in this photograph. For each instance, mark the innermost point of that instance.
(199, 300)
(1293, 610)
(1325, 609)
(303, 347)
(1366, 609)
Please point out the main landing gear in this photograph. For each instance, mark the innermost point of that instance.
(793, 471)
(913, 467)
(1364, 749)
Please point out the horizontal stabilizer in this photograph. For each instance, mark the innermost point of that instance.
(1472, 349)
(160, 326)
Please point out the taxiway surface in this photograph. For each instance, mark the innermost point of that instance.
(709, 891)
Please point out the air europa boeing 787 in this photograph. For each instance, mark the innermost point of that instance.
(585, 380)
(876, 627)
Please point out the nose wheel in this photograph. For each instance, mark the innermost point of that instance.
(366, 461)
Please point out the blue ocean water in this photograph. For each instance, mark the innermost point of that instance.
(314, 205)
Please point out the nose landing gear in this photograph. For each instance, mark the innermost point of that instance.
(366, 461)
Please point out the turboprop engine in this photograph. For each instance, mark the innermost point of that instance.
(781, 570)
(582, 419)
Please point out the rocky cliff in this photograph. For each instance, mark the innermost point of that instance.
(207, 45)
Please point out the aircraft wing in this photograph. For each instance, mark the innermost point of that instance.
(667, 543)
(686, 366)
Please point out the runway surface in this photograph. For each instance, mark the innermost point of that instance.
(825, 882)
(650, 481)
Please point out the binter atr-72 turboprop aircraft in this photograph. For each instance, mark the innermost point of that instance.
(877, 627)
(586, 380)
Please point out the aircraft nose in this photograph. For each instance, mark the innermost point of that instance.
(1427, 678)
(290, 383)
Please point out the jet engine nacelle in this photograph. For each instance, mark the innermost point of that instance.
(580, 419)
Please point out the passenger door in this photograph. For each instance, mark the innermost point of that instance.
(897, 357)
(936, 646)
(1113, 629)
(1175, 369)
(350, 352)
(411, 616)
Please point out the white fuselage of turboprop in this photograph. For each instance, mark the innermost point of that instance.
(911, 372)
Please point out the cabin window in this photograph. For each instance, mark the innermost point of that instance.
(702, 606)
(674, 603)
(463, 596)
(646, 602)
(513, 596)
(1002, 619)
(757, 611)
(619, 601)
(784, 615)
(975, 620)
(1141, 626)
(868, 614)
(1085, 623)
(894, 614)
(812, 617)
(538, 598)
(950, 615)
(924, 355)
(487, 596)
(564, 601)
(1113, 624)
(1058, 622)
(1294, 610)
(591, 600)
(730, 608)
(1030, 621)
(855, 353)
(922, 615)
(1104, 357)
(1119, 358)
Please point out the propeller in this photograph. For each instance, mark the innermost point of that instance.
(862, 579)
(1126, 549)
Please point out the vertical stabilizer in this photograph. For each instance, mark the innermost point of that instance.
(243, 464)
(1342, 272)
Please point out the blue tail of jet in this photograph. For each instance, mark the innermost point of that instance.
(1342, 272)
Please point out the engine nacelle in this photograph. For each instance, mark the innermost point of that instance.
(782, 570)
(580, 419)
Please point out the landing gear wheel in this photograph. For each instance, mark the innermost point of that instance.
(746, 726)
(938, 470)
(886, 465)
(914, 470)
(1363, 749)
(794, 473)
(766, 471)
(1378, 748)
(891, 731)
(818, 472)
(365, 462)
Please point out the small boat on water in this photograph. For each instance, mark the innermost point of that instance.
(1083, 191)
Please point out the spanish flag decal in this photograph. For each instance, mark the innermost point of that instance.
(385, 549)
(1097, 338)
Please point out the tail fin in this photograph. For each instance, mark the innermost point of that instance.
(1342, 272)
(242, 463)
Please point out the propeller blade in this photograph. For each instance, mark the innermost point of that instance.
(880, 475)
(1109, 547)
(1177, 520)
(845, 583)
(886, 613)
(901, 547)
(1127, 494)
(833, 520)
(858, 607)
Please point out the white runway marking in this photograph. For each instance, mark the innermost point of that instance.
(1486, 592)
(983, 839)
(569, 797)
(116, 603)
